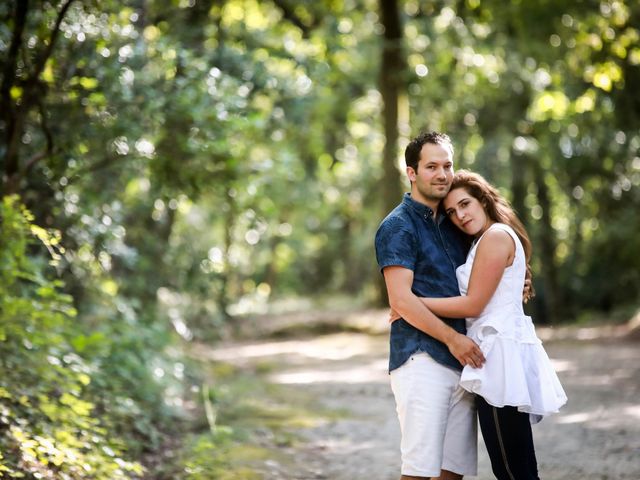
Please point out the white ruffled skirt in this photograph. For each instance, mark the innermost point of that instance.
(517, 371)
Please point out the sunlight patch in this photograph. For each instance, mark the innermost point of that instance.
(633, 411)
(330, 347)
(562, 365)
(372, 372)
(578, 418)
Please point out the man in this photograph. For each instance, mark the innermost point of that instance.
(418, 250)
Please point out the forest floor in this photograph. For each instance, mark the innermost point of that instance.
(329, 388)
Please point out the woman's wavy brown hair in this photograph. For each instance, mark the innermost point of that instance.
(498, 209)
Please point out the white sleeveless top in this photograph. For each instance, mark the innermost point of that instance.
(517, 371)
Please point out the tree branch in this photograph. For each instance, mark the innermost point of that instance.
(46, 53)
(30, 163)
(105, 163)
(290, 15)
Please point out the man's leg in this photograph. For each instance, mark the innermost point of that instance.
(423, 390)
(444, 475)
(447, 475)
(460, 455)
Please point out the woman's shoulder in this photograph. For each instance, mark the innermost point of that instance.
(497, 235)
(496, 241)
(496, 231)
(502, 226)
(501, 231)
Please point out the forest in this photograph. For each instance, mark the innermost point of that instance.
(170, 167)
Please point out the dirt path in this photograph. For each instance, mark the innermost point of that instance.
(596, 436)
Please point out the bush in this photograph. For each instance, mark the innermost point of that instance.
(48, 429)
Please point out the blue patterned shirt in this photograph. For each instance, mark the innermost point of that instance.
(409, 237)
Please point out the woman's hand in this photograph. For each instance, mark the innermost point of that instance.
(393, 316)
(465, 350)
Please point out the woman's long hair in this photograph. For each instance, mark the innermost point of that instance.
(497, 207)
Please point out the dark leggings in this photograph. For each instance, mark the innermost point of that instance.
(507, 435)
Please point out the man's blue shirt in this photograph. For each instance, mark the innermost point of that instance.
(409, 237)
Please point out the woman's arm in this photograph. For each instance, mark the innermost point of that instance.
(398, 281)
(495, 253)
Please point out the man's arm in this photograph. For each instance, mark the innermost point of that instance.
(409, 306)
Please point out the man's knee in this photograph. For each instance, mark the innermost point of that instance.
(444, 475)
(447, 475)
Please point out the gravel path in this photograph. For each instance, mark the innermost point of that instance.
(596, 435)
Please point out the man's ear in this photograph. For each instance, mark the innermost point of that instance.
(411, 173)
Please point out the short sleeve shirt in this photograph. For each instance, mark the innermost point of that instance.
(410, 237)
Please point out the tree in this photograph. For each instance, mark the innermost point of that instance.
(23, 92)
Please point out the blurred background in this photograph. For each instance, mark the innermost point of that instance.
(170, 168)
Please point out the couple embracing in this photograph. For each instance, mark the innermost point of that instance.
(455, 260)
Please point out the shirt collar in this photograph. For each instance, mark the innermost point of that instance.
(421, 209)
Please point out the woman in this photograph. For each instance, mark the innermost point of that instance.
(517, 385)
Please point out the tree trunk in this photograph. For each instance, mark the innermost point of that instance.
(550, 301)
(519, 171)
(392, 75)
(14, 113)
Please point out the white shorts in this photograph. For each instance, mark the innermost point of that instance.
(437, 419)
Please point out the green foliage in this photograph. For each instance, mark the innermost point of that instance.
(49, 424)
(205, 160)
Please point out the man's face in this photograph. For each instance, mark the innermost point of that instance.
(432, 180)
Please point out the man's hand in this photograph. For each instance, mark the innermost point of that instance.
(466, 351)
